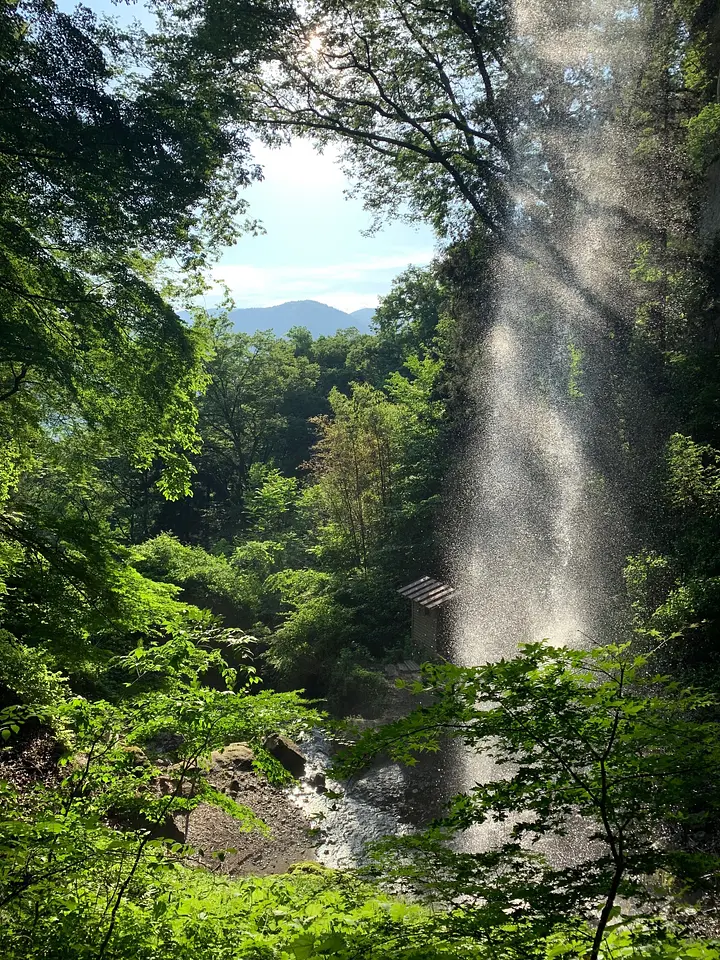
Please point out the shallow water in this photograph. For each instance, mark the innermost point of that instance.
(388, 800)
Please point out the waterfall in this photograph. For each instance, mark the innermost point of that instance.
(539, 554)
(543, 538)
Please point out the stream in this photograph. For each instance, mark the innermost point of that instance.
(388, 800)
(393, 800)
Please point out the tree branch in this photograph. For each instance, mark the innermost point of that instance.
(18, 379)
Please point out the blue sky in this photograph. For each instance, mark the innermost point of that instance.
(314, 248)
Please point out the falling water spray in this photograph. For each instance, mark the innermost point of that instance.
(541, 551)
(542, 540)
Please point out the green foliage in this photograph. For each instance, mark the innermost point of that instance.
(313, 629)
(676, 594)
(108, 166)
(248, 415)
(375, 473)
(407, 317)
(68, 881)
(208, 580)
(416, 100)
(648, 579)
(183, 658)
(375, 465)
(352, 686)
(694, 480)
(590, 738)
(88, 341)
(175, 913)
(352, 466)
(272, 500)
(703, 137)
(608, 736)
(73, 591)
(25, 676)
(123, 149)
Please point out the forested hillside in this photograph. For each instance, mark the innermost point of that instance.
(320, 319)
(203, 531)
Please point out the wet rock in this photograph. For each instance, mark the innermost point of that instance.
(317, 780)
(287, 753)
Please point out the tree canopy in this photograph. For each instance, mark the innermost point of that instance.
(414, 92)
(195, 522)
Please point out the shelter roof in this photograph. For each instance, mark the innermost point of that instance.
(427, 592)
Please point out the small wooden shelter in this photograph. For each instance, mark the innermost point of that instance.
(427, 598)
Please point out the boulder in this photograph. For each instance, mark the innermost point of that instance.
(287, 753)
(136, 756)
(235, 756)
(317, 780)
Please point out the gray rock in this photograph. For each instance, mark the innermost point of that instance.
(317, 780)
(287, 753)
(235, 756)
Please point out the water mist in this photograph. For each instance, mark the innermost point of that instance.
(542, 543)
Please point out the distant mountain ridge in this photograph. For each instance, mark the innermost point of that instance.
(320, 319)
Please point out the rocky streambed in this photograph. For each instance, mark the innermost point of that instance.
(316, 818)
(223, 845)
(387, 800)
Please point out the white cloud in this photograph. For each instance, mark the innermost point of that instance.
(349, 285)
(314, 247)
(299, 166)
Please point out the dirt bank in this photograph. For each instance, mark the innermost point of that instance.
(211, 831)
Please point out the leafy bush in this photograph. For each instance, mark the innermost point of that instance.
(207, 579)
(591, 741)
(70, 886)
(703, 137)
(25, 676)
(354, 686)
